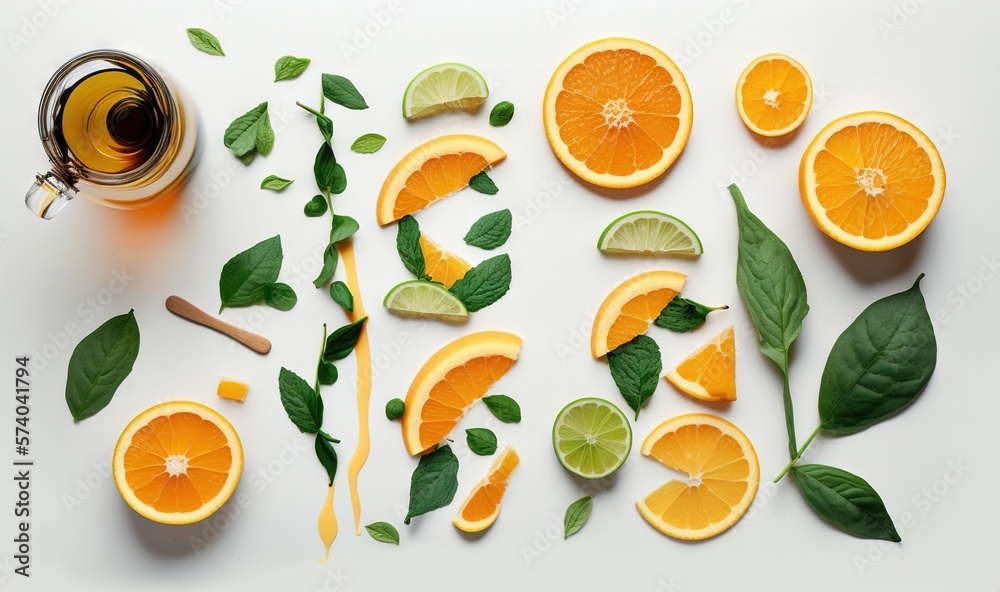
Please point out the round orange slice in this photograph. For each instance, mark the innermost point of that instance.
(617, 112)
(480, 510)
(631, 307)
(454, 378)
(709, 373)
(872, 180)
(432, 171)
(177, 462)
(774, 95)
(721, 476)
(443, 266)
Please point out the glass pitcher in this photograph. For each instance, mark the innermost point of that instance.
(115, 131)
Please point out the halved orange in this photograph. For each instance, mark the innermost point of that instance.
(177, 462)
(443, 266)
(773, 95)
(434, 170)
(617, 112)
(454, 378)
(480, 510)
(709, 373)
(872, 180)
(631, 307)
(722, 474)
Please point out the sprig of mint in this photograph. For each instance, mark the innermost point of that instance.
(330, 176)
(275, 183)
(433, 483)
(501, 114)
(100, 363)
(682, 315)
(484, 284)
(289, 67)
(368, 143)
(490, 231)
(325, 123)
(482, 183)
(636, 367)
(247, 276)
(205, 42)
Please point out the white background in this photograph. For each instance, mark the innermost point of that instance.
(932, 62)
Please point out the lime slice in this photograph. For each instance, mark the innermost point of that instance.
(592, 437)
(444, 87)
(652, 232)
(417, 298)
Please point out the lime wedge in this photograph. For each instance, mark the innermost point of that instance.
(591, 437)
(417, 298)
(444, 87)
(650, 232)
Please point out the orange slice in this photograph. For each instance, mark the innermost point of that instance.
(233, 390)
(480, 510)
(631, 307)
(442, 266)
(177, 462)
(722, 476)
(434, 170)
(617, 112)
(773, 95)
(709, 374)
(454, 378)
(872, 181)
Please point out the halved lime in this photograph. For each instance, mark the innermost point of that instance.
(444, 87)
(650, 232)
(417, 298)
(591, 437)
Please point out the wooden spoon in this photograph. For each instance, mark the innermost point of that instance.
(185, 309)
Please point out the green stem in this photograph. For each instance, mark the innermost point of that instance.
(322, 350)
(789, 412)
(798, 454)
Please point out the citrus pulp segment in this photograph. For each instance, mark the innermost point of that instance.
(709, 373)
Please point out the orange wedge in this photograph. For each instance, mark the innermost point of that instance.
(434, 170)
(872, 181)
(454, 378)
(773, 95)
(177, 462)
(617, 112)
(721, 471)
(480, 510)
(709, 374)
(442, 266)
(631, 307)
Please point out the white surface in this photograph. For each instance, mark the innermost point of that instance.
(937, 69)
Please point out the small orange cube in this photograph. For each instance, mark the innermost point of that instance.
(233, 390)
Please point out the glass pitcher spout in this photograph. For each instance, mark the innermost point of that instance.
(48, 195)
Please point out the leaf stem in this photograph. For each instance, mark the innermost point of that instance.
(798, 454)
(789, 412)
(322, 349)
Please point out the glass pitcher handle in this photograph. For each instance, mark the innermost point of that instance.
(48, 195)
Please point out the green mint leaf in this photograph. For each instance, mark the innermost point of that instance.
(265, 134)
(205, 42)
(280, 296)
(328, 437)
(324, 167)
(100, 363)
(368, 143)
(325, 123)
(576, 516)
(326, 373)
(433, 483)
(484, 284)
(343, 228)
(330, 258)
(341, 342)
(682, 315)
(315, 207)
(481, 441)
(241, 135)
(502, 113)
(247, 158)
(327, 457)
(289, 67)
(394, 409)
(490, 231)
(408, 246)
(341, 294)
(483, 184)
(879, 364)
(275, 183)
(503, 408)
(383, 532)
(245, 276)
(339, 180)
(342, 92)
(845, 501)
(636, 367)
(301, 402)
(770, 283)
